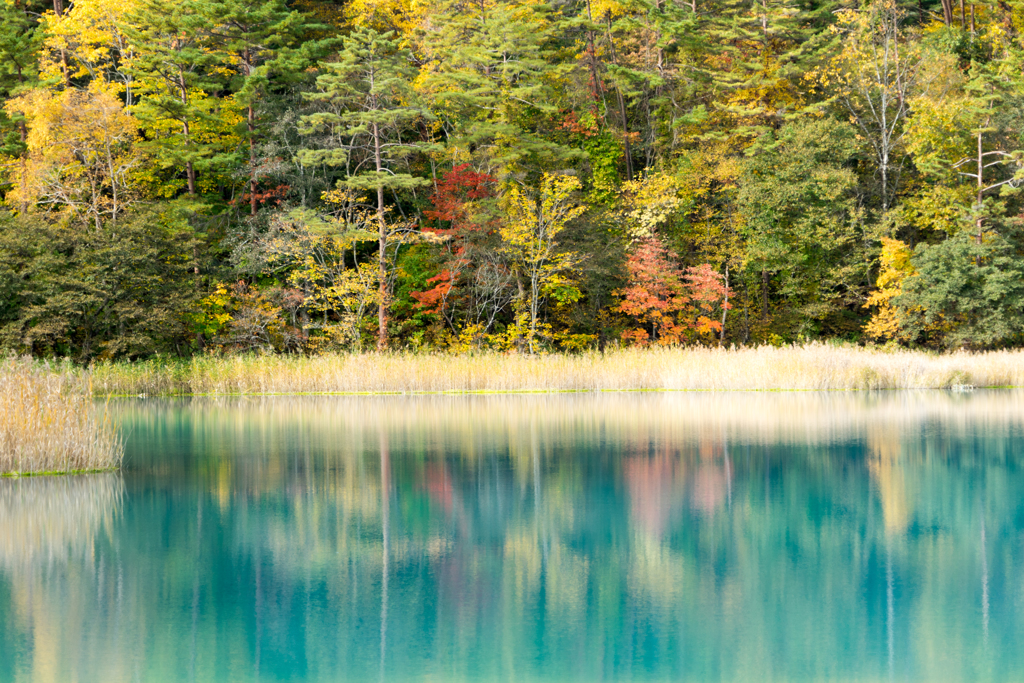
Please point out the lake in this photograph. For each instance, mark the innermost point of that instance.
(581, 537)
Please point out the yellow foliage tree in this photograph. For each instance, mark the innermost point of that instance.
(81, 153)
(530, 243)
(895, 269)
(649, 203)
(88, 41)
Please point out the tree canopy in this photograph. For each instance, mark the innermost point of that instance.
(304, 175)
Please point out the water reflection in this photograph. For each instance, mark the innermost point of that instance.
(585, 537)
(49, 527)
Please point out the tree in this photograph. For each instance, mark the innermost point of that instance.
(175, 74)
(88, 42)
(19, 53)
(964, 294)
(802, 232)
(530, 235)
(81, 153)
(259, 39)
(876, 75)
(473, 286)
(370, 104)
(485, 76)
(894, 268)
(104, 292)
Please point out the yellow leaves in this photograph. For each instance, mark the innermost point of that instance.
(400, 16)
(603, 10)
(895, 268)
(80, 150)
(533, 222)
(938, 134)
(650, 202)
(86, 41)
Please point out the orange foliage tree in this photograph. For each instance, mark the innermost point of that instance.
(670, 304)
(454, 221)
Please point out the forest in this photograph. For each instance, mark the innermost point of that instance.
(220, 176)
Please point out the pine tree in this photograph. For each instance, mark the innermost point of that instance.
(259, 40)
(19, 48)
(761, 49)
(369, 104)
(487, 79)
(175, 72)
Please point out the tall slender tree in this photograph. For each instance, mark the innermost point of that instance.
(370, 108)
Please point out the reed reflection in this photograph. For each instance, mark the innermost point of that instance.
(49, 529)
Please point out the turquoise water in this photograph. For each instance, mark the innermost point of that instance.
(650, 537)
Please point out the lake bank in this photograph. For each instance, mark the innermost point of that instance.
(812, 367)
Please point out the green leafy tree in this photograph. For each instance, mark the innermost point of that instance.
(803, 238)
(96, 293)
(964, 294)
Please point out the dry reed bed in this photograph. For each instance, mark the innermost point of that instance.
(49, 423)
(820, 367)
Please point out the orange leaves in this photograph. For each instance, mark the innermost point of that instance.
(674, 306)
(433, 299)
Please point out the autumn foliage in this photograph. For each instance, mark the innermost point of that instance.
(671, 305)
(452, 212)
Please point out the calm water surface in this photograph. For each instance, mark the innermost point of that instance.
(645, 537)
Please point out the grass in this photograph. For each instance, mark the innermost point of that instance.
(812, 367)
(49, 423)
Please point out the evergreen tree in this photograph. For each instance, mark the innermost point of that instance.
(370, 107)
(761, 48)
(19, 55)
(487, 79)
(176, 73)
(259, 40)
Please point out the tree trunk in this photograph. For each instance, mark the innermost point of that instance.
(190, 169)
(627, 150)
(251, 125)
(23, 134)
(382, 239)
(250, 122)
(725, 306)
(947, 12)
(981, 186)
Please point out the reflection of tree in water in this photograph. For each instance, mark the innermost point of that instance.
(574, 537)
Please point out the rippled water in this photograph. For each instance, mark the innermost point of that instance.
(648, 537)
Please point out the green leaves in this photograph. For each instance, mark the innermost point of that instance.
(966, 293)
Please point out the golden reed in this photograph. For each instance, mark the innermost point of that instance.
(815, 367)
(49, 423)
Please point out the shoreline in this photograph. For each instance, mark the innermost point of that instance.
(811, 367)
(552, 392)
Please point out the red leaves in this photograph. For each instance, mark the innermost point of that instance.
(673, 305)
(453, 201)
(432, 300)
(454, 192)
